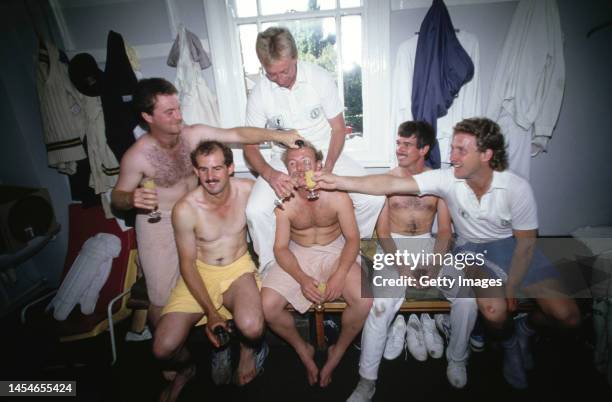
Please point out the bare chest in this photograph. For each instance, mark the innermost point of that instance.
(170, 166)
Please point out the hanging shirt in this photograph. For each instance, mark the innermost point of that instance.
(441, 68)
(529, 81)
(198, 103)
(466, 104)
(62, 117)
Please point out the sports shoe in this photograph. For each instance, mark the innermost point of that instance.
(433, 341)
(443, 325)
(415, 339)
(395, 338)
(364, 391)
(456, 373)
(221, 366)
(523, 333)
(514, 371)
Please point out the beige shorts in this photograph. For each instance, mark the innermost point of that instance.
(319, 262)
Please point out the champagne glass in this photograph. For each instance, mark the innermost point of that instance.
(322, 286)
(310, 183)
(149, 183)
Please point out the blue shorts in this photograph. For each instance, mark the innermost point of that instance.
(498, 257)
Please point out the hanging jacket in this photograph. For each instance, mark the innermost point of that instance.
(62, 117)
(441, 68)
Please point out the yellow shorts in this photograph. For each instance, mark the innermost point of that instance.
(217, 280)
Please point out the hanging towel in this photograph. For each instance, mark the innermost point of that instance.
(441, 68)
(529, 81)
(198, 103)
(86, 276)
(197, 52)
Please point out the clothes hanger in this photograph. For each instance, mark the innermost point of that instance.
(598, 28)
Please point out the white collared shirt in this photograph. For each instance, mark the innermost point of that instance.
(508, 205)
(306, 107)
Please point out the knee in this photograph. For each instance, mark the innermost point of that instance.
(569, 317)
(270, 308)
(494, 313)
(383, 307)
(163, 347)
(251, 327)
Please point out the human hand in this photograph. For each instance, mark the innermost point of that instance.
(214, 320)
(310, 289)
(281, 184)
(145, 198)
(288, 138)
(325, 180)
(335, 285)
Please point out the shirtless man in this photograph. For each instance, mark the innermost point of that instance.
(317, 242)
(163, 155)
(218, 277)
(405, 223)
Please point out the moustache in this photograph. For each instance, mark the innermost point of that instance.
(211, 181)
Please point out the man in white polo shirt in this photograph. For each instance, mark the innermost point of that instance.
(294, 94)
(493, 210)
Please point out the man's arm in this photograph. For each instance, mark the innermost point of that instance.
(336, 142)
(521, 258)
(279, 181)
(445, 231)
(348, 225)
(183, 222)
(378, 184)
(242, 135)
(287, 261)
(127, 194)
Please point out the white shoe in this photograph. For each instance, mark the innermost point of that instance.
(433, 341)
(415, 339)
(456, 374)
(443, 325)
(395, 338)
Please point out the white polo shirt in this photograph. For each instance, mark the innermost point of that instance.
(508, 205)
(306, 107)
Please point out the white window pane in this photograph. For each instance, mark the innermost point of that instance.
(248, 36)
(350, 3)
(316, 41)
(246, 8)
(351, 72)
(282, 6)
(326, 4)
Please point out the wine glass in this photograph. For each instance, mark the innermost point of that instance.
(155, 214)
(309, 178)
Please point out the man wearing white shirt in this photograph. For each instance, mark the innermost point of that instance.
(298, 95)
(494, 211)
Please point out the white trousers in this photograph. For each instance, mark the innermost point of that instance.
(260, 208)
(463, 314)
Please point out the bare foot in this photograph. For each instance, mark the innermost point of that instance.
(246, 368)
(307, 358)
(172, 391)
(333, 358)
(169, 375)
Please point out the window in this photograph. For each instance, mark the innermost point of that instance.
(348, 37)
(327, 33)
